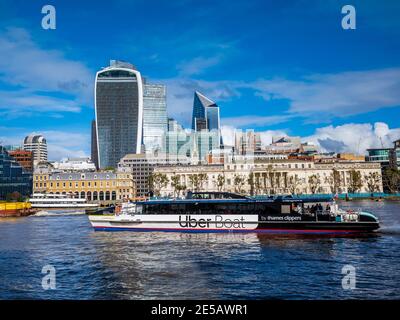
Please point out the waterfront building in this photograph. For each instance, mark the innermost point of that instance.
(260, 176)
(74, 164)
(142, 166)
(247, 142)
(23, 157)
(119, 112)
(37, 144)
(379, 155)
(107, 186)
(94, 152)
(155, 119)
(13, 176)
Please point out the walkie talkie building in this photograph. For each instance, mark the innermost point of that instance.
(119, 112)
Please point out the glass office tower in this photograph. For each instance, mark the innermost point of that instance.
(119, 112)
(200, 104)
(13, 177)
(155, 119)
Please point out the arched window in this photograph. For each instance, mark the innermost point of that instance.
(101, 195)
(95, 196)
(108, 195)
(89, 196)
(83, 195)
(76, 195)
(114, 195)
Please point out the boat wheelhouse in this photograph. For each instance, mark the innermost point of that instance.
(228, 212)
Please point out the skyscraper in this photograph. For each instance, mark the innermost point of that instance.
(205, 113)
(94, 151)
(37, 144)
(119, 112)
(155, 119)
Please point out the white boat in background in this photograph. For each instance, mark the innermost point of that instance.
(58, 201)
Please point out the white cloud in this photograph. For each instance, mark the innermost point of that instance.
(37, 73)
(355, 138)
(340, 94)
(197, 65)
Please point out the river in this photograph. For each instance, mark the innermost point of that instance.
(129, 265)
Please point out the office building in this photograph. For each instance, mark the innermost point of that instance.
(37, 144)
(119, 112)
(24, 158)
(155, 119)
(13, 177)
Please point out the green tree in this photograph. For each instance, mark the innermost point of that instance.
(334, 181)
(157, 182)
(239, 182)
(392, 180)
(220, 182)
(175, 183)
(355, 181)
(294, 183)
(251, 183)
(314, 182)
(197, 180)
(373, 180)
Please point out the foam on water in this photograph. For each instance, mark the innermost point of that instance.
(57, 214)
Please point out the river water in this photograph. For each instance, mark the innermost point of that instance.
(129, 265)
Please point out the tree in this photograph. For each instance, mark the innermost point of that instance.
(176, 184)
(373, 180)
(158, 181)
(220, 182)
(314, 182)
(250, 181)
(197, 180)
(294, 183)
(334, 181)
(238, 181)
(257, 184)
(355, 181)
(392, 179)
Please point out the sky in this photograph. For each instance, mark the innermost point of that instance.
(278, 67)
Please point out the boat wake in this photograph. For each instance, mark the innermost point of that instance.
(57, 214)
(395, 229)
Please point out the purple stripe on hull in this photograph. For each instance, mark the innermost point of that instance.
(271, 231)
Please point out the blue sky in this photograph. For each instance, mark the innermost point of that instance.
(279, 67)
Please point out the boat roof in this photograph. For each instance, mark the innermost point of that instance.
(276, 199)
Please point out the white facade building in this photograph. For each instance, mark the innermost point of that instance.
(274, 177)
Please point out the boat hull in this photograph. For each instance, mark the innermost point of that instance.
(225, 224)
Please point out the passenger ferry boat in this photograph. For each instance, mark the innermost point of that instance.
(228, 212)
(58, 201)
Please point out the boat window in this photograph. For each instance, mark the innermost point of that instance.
(285, 209)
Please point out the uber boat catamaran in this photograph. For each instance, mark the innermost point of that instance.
(229, 212)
